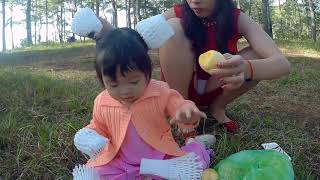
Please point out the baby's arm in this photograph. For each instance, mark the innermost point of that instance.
(183, 112)
(92, 139)
(89, 142)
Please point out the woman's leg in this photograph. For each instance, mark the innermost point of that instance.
(177, 59)
(217, 108)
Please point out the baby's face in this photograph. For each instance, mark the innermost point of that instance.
(126, 89)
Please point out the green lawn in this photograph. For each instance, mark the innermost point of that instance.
(47, 95)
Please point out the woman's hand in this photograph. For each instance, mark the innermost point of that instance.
(230, 72)
(106, 27)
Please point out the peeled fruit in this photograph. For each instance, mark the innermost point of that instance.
(209, 174)
(210, 59)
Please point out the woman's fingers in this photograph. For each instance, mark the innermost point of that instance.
(231, 61)
(233, 80)
(226, 71)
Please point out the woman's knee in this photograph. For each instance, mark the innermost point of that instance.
(177, 50)
(179, 35)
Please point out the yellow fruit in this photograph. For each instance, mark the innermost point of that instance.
(210, 59)
(209, 174)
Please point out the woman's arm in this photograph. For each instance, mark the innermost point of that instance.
(273, 64)
(169, 14)
(106, 27)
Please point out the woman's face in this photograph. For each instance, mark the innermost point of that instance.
(202, 8)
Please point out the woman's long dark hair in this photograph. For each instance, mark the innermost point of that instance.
(196, 31)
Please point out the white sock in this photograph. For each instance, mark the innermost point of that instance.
(208, 140)
(82, 172)
(155, 31)
(186, 167)
(90, 142)
(85, 21)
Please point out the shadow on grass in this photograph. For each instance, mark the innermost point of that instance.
(40, 114)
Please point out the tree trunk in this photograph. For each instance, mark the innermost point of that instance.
(300, 22)
(46, 20)
(4, 25)
(238, 4)
(250, 8)
(35, 20)
(64, 22)
(269, 21)
(134, 3)
(61, 24)
(312, 21)
(28, 23)
(266, 17)
(115, 13)
(73, 12)
(163, 6)
(139, 10)
(145, 9)
(11, 26)
(280, 14)
(126, 8)
(128, 13)
(97, 7)
(39, 35)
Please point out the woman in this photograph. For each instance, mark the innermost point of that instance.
(202, 25)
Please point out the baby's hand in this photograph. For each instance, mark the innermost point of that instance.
(188, 115)
(89, 142)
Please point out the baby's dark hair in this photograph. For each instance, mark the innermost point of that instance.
(124, 48)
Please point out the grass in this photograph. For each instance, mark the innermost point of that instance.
(47, 52)
(45, 100)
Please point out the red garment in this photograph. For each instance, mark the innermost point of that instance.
(206, 98)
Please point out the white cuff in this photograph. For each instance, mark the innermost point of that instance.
(82, 172)
(90, 142)
(186, 167)
(85, 21)
(155, 31)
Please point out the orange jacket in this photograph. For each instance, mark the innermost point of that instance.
(148, 114)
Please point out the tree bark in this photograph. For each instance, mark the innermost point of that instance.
(73, 12)
(11, 26)
(61, 24)
(35, 20)
(134, 3)
(128, 13)
(250, 8)
(97, 7)
(46, 20)
(115, 13)
(312, 20)
(28, 23)
(266, 17)
(139, 10)
(4, 25)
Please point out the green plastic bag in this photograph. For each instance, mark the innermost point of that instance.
(255, 165)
